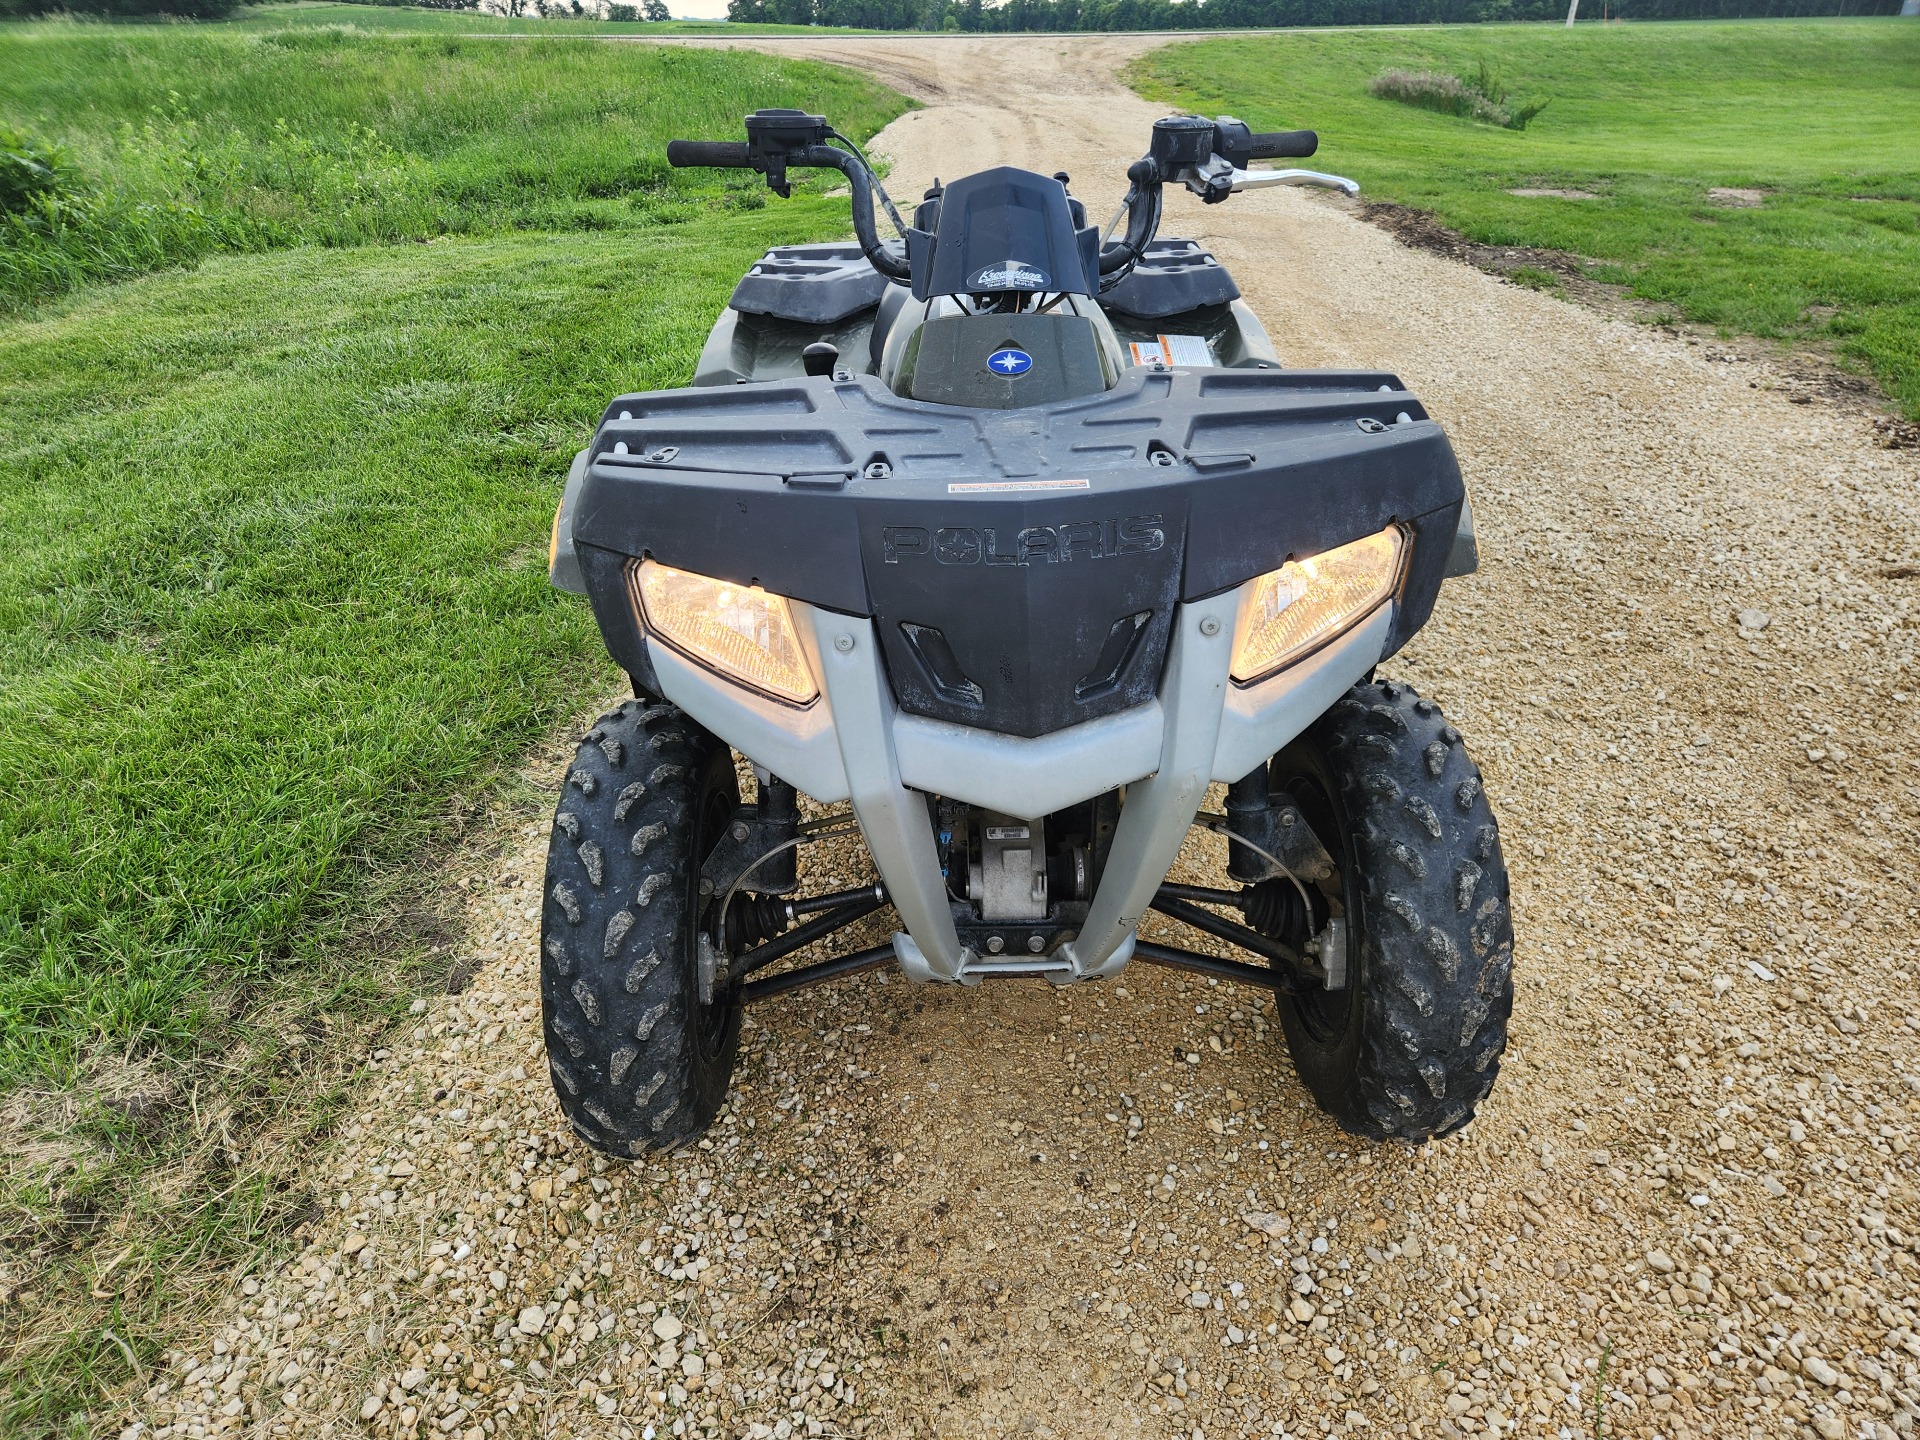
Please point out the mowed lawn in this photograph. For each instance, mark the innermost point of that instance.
(274, 582)
(275, 532)
(274, 511)
(1823, 116)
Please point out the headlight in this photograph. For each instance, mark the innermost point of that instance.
(739, 630)
(1289, 611)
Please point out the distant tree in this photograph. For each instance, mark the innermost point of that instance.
(656, 10)
(180, 9)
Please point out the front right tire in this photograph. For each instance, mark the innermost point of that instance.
(638, 1062)
(1412, 1044)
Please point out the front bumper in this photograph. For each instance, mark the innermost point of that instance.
(855, 744)
(1028, 538)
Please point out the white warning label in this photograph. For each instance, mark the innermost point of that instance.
(1005, 487)
(1179, 351)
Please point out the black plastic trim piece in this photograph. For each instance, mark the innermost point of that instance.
(936, 657)
(1174, 276)
(1022, 535)
(810, 284)
(1123, 640)
(604, 572)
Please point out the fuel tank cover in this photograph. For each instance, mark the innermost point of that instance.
(1002, 362)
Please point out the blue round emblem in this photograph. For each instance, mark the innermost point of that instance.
(1009, 361)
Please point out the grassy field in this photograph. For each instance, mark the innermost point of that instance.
(410, 20)
(273, 603)
(160, 556)
(179, 141)
(1820, 115)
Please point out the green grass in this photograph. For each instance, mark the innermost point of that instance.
(254, 600)
(1822, 114)
(416, 20)
(273, 592)
(189, 140)
(275, 536)
(273, 602)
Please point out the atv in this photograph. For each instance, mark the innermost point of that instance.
(1004, 541)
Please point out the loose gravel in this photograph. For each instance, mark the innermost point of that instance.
(1687, 668)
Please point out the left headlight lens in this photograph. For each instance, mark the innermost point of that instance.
(739, 630)
(1303, 604)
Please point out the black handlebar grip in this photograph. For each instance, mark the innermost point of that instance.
(1285, 145)
(716, 154)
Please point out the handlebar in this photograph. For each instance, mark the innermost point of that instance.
(716, 154)
(784, 139)
(1284, 145)
(1209, 157)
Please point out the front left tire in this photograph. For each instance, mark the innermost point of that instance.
(1411, 1045)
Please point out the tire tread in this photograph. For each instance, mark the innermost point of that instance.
(1439, 951)
(621, 1022)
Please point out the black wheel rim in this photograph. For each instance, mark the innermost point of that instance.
(1326, 1016)
(713, 813)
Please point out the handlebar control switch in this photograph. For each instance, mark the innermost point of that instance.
(1233, 141)
(776, 136)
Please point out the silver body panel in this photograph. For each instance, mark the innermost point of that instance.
(853, 744)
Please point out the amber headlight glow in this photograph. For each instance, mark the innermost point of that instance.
(739, 630)
(1290, 611)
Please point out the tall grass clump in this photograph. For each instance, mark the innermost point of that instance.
(140, 150)
(1479, 95)
(174, 192)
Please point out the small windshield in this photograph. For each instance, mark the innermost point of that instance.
(1008, 230)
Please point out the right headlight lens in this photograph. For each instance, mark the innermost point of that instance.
(1292, 610)
(739, 630)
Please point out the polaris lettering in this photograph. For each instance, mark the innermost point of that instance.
(1046, 544)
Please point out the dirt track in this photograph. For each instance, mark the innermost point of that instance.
(1689, 1206)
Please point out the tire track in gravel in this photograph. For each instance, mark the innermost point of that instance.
(1688, 1209)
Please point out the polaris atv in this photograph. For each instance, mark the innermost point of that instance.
(1004, 541)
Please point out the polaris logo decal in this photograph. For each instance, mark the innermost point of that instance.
(1009, 361)
(1010, 275)
(1036, 544)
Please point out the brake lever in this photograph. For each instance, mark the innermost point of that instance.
(1261, 179)
(1219, 178)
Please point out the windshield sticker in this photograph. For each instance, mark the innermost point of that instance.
(1003, 487)
(1009, 360)
(1010, 275)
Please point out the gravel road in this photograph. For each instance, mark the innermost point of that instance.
(1687, 668)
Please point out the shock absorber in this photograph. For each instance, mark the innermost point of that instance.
(780, 819)
(1248, 807)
